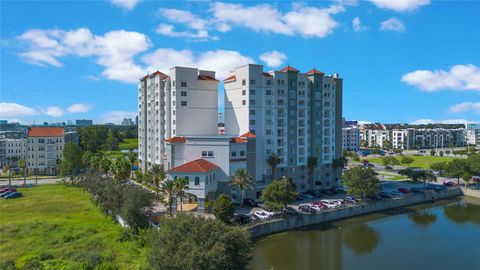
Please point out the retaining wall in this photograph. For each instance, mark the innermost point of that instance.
(471, 192)
(295, 222)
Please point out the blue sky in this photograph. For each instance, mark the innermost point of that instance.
(410, 61)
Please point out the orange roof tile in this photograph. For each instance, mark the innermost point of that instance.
(288, 68)
(314, 71)
(176, 140)
(206, 78)
(248, 135)
(238, 140)
(45, 132)
(231, 79)
(196, 166)
(154, 74)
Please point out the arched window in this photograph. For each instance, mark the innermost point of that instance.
(188, 179)
(197, 180)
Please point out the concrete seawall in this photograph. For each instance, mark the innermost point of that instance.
(471, 192)
(295, 222)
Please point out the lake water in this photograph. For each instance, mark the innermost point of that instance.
(442, 235)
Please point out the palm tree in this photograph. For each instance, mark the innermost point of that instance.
(132, 157)
(273, 160)
(241, 179)
(158, 174)
(181, 184)
(312, 164)
(23, 165)
(340, 162)
(168, 191)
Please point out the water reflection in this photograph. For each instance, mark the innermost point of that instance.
(463, 213)
(361, 239)
(423, 219)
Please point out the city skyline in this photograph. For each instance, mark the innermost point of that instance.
(72, 67)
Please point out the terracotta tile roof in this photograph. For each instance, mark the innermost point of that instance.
(196, 166)
(266, 74)
(206, 78)
(238, 140)
(45, 132)
(314, 71)
(288, 68)
(231, 79)
(248, 135)
(176, 140)
(154, 74)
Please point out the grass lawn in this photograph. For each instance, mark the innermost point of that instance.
(419, 161)
(128, 144)
(59, 224)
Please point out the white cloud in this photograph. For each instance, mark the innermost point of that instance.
(301, 20)
(221, 61)
(459, 77)
(126, 4)
(392, 24)
(273, 58)
(115, 50)
(79, 108)
(447, 121)
(10, 110)
(190, 20)
(465, 107)
(357, 25)
(53, 111)
(116, 117)
(400, 5)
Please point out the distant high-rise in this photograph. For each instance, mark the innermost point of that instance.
(83, 122)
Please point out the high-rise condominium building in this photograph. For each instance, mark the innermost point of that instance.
(297, 116)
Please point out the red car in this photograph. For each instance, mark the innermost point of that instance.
(449, 183)
(8, 189)
(404, 190)
(318, 204)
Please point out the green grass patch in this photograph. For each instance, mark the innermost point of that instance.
(419, 161)
(59, 226)
(128, 144)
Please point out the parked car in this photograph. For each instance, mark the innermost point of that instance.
(241, 219)
(14, 195)
(307, 209)
(475, 186)
(435, 187)
(404, 190)
(330, 204)
(250, 202)
(6, 193)
(448, 183)
(375, 197)
(318, 204)
(8, 189)
(254, 218)
(261, 215)
(290, 211)
(417, 190)
(317, 208)
(351, 200)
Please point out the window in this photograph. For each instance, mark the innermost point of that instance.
(204, 153)
(268, 132)
(184, 93)
(244, 102)
(252, 112)
(183, 103)
(269, 92)
(173, 93)
(173, 83)
(173, 112)
(234, 154)
(244, 82)
(252, 122)
(197, 180)
(252, 82)
(183, 84)
(269, 82)
(252, 92)
(173, 103)
(210, 153)
(244, 92)
(242, 153)
(252, 102)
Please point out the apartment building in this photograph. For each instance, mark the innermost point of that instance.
(374, 135)
(44, 148)
(294, 115)
(472, 134)
(351, 138)
(182, 103)
(12, 150)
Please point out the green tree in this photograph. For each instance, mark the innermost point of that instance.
(22, 163)
(136, 208)
(112, 142)
(390, 161)
(273, 161)
(471, 150)
(398, 151)
(456, 168)
(441, 153)
(242, 180)
(407, 160)
(312, 163)
(132, 157)
(181, 184)
(340, 163)
(104, 164)
(158, 175)
(361, 181)
(121, 169)
(223, 209)
(279, 193)
(72, 160)
(447, 152)
(92, 138)
(439, 166)
(168, 191)
(467, 176)
(190, 242)
(432, 152)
